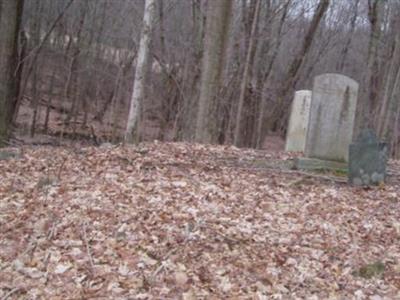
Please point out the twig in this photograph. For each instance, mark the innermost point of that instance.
(46, 260)
(170, 252)
(229, 239)
(95, 139)
(294, 182)
(14, 290)
(31, 247)
(87, 246)
(46, 264)
(61, 167)
(36, 50)
(52, 230)
(159, 269)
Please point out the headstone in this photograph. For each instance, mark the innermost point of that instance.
(298, 122)
(6, 154)
(333, 106)
(367, 160)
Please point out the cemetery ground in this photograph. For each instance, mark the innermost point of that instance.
(189, 221)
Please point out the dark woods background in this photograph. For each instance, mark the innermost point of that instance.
(78, 60)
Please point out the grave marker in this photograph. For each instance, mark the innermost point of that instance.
(333, 108)
(298, 123)
(367, 160)
(331, 123)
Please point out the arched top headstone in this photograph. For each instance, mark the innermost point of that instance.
(333, 107)
(298, 122)
(336, 79)
(303, 93)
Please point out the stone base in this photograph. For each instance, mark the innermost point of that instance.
(318, 164)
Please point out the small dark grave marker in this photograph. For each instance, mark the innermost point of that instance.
(367, 160)
(6, 154)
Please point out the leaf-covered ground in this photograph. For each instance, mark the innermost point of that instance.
(182, 221)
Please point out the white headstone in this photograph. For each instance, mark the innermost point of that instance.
(298, 122)
(333, 107)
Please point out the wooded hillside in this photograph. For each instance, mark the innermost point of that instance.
(77, 62)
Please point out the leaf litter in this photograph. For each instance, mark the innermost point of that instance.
(190, 221)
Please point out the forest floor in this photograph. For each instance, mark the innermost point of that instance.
(189, 221)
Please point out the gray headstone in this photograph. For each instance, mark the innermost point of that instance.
(333, 106)
(298, 122)
(6, 154)
(367, 160)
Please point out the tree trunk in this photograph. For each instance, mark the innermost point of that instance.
(392, 106)
(390, 85)
(218, 19)
(35, 54)
(395, 139)
(72, 89)
(131, 133)
(49, 100)
(115, 102)
(266, 76)
(245, 79)
(10, 20)
(367, 102)
(35, 81)
(161, 28)
(186, 125)
(343, 55)
(294, 68)
(291, 77)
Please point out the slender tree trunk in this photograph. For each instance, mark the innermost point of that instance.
(115, 102)
(161, 28)
(131, 132)
(49, 100)
(218, 19)
(245, 79)
(70, 85)
(187, 127)
(35, 84)
(395, 139)
(375, 18)
(367, 102)
(389, 89)
(34, 53)
(343, 55)
(393, 106)
(267, 74)
(10, 20)
(294, 68)
(127, 67)
(291, 77)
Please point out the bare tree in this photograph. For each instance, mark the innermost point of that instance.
(218, 19)
(292, 75)
(390, 102)
(131, 133)
(78, 66)
(245, 79)
(344, 53)
(36, 80)
(266, 74)
(10, 20)
(366, 104)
